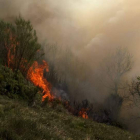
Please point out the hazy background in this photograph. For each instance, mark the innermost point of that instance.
(90, 28)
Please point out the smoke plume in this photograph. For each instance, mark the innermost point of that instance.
(90, 28)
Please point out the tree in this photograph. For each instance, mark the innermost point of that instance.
(19, 44)
(6, 32)
(134, 89)
(118, 64)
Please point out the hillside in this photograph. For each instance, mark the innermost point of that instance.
(18, 121)
(35, 95)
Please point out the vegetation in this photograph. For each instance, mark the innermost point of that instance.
(16, 86)
(22, 113)
(19, 45)
(117, 65)
(134, 89)
(20, 122)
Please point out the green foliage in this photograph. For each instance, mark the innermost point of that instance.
(19, 45)
(6, 32)
(27, 45)
(15, 85)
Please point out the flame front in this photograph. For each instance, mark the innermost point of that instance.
(35, 74)
(83, 113)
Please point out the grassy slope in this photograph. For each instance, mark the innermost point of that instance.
(20, 122)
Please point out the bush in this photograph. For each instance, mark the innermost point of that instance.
(16, 86)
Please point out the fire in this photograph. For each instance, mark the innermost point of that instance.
(35, 74)
(83, 113)
(9, 58)
(10, 55)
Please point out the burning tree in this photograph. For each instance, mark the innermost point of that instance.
(35, 74)
(19, 45)
(20, 51)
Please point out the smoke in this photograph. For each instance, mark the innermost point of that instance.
(80, 23)
(91, 29)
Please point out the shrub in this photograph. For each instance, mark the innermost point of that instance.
(16, 86)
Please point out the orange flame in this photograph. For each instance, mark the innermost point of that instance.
(83, 113)
(10, 56)
(35, 74)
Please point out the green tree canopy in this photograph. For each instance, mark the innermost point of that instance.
(19, 45)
